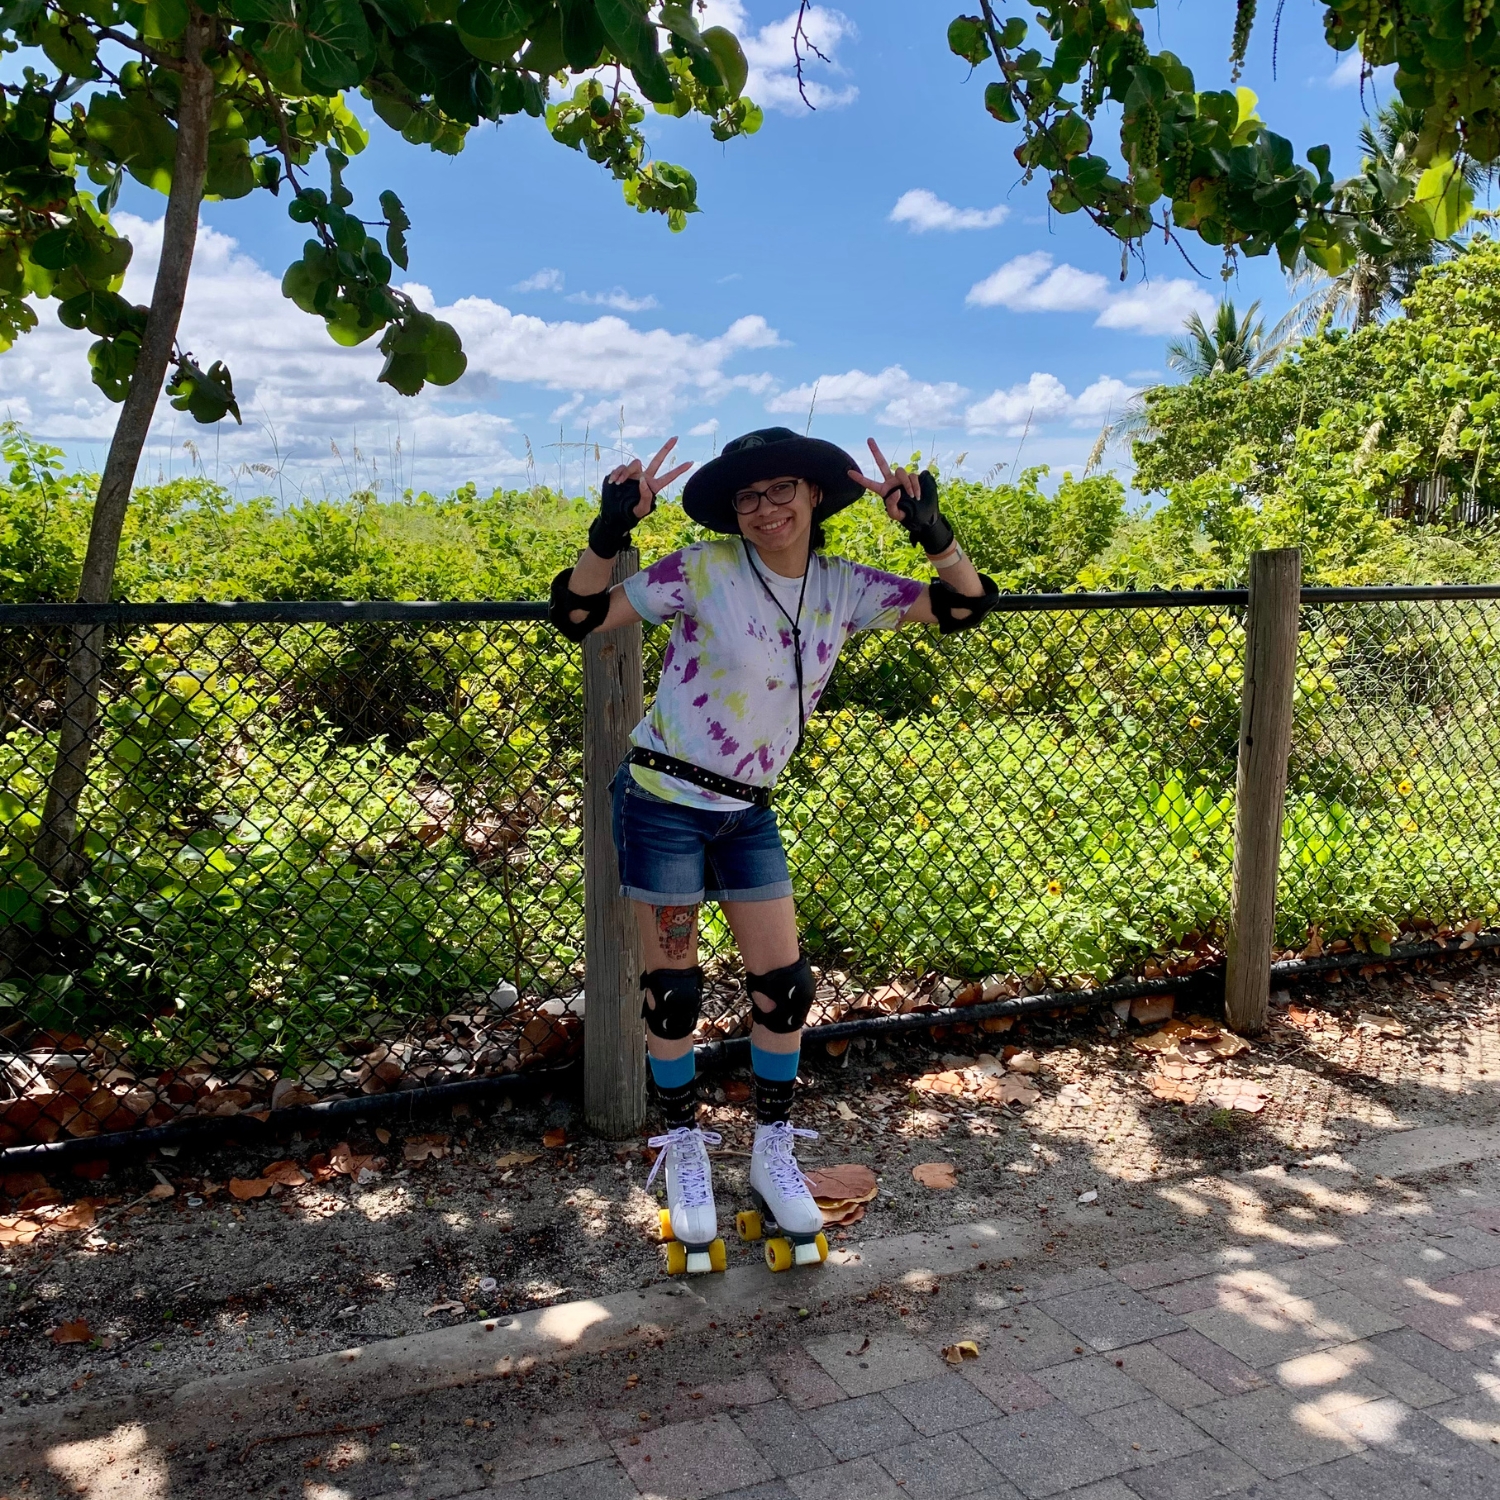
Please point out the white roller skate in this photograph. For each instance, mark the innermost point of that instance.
(689, 1222)
(786, 1214)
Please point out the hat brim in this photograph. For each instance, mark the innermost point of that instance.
(708, 496)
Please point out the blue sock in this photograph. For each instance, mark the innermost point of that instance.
(676, 1081)
(672, 1073)
(775, 1079)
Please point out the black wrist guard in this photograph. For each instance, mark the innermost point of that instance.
(610, 532)
(565, 601)
(957, 611)
(925, 523)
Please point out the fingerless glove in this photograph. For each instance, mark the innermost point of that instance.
(925, 524)
(610, 532)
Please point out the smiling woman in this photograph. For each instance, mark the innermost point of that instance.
(758, 620)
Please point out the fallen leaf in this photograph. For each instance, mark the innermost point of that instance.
(287, 1173)
(1023, 1062)
(849, 1183)
(842, 1214)
(344, 1160)
(1009, 1091)
(17, 1229)
(291, 1093)
(1235, 1093)
(1378, 1021)
(938, 1175)
(42, 1197)
(1184, 1069)
(420, 1148)
(1091, 1196)
(952, 1083)
(956, 1354)
(1176, 1091)
(245, 1188)
(1227, 1044)
(1072, 1096)
(736, 1091)
(78, 1215)
(443, 1307)
(555, 1137)
(77, 1332)
(383, 1136)
(18, 1184)
(515, 1159)
(845, 1113)
(162, 1190)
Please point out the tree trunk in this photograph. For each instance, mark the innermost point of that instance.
(56, 840)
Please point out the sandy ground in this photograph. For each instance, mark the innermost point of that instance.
(173, 1288)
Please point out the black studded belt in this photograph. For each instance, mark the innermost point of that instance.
(710, 781)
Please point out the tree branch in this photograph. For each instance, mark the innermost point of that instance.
(800, 39)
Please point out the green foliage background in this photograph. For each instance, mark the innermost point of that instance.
(302, 835)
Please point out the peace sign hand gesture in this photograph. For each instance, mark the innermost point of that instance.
(629, 495)
(911, 499)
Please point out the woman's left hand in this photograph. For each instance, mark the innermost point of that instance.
(893, 486)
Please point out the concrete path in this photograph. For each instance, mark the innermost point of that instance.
(1345, 1347)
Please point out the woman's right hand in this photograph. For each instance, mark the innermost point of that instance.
(629, 495)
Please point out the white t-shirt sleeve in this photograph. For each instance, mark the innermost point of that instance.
(662, 590)
(878, 600)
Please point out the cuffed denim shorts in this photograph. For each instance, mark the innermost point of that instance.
(674, 855)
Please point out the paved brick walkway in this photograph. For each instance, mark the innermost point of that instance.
(1367, 1372)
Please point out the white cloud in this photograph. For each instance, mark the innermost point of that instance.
(1032, 283)
(704, 429)
(617, 298)
(894, 398)
(773, 77)
(1350, 67)
(548, 279)
(301, 393)
(924, 210)
(892, 394)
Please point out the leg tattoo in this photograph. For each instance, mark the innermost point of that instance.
(674, 929)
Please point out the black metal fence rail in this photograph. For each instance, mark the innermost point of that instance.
(332, 854)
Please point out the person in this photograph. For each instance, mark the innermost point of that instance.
(759, 616)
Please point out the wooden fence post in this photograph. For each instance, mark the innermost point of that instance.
(614, 1044)
(1260, 796)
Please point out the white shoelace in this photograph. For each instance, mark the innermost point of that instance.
(776, 1147)
(691, 1175)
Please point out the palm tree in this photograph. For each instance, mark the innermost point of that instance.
(1232, 343)
(1393, 248)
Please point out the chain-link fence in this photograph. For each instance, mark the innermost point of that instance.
(336, 851)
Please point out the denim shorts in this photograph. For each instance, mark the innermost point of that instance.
(674, 855)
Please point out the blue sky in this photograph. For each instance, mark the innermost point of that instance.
(967, 322)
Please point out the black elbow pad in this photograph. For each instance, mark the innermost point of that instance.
(565, 602)
(957, 611)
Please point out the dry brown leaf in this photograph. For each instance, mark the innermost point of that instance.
(17, 1229)
(1023, 1062)
(162, 1190)
(1177, 1091)
(287, 1173)
(19, 1184)
(1236, 1093)
(77, 1332)
(420, 1148)
(344, 1160)
(443, 1307)
(555, 1137)
(516, 1159)
(383, 1136)
(850, 1182)
(291, 1093)
(842, 1213)
(736, 1091)
(1008, 1090)
(1074, 1096)
(78, 1215)
(245, 1188)
(952, 1082)
(938, 1175)
(1183, 1069)
(1227, 1044)
(956, 1354)
(1378, 1021)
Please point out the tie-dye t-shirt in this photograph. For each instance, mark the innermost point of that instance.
(728, 694)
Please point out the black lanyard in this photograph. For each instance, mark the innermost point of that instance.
(796, 631)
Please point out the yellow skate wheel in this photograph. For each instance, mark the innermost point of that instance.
(718, 1255)
(676, 1258)
(821, 1241)
(664, 1223)
(779, 1254)
(747, 1224)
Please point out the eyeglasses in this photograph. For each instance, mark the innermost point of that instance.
(783, 492)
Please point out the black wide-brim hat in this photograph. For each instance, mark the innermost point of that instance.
(769, 453)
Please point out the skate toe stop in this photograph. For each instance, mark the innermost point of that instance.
(807, 1254)
(699, 1261)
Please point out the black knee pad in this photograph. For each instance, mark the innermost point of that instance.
(673, 999)
(791, 992)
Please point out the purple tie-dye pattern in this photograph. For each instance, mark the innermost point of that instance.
(738, 642)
